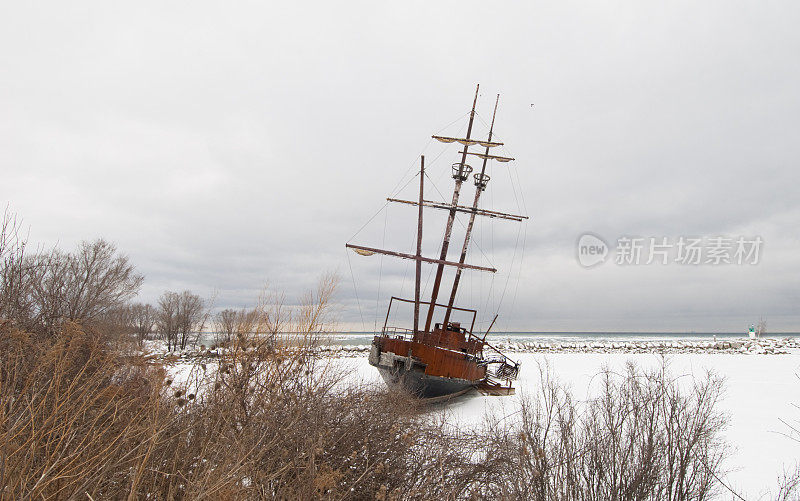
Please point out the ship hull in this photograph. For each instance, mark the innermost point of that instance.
(408, 374)
(423, 385)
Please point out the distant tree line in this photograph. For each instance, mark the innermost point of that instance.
(95, 285)
(176, 318)
(41, 291)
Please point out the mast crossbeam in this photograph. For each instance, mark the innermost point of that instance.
(462, 208)
(486, 156)
(467, 142)
(420, 258)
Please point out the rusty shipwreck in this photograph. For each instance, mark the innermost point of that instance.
(432, 355)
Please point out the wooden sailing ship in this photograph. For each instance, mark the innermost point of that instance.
(442, 359)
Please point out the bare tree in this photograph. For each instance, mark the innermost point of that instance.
(143, 318)
(42, 291)
(190, 316)
(167, 318)
(101, 280)
(14, 297)
(119, 321)
(96, 279)
(231, 323)
(179, 315)
(225, 325)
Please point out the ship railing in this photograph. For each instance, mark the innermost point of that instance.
(398, 332)
(499, 366)
(404, 334)
(428, 304)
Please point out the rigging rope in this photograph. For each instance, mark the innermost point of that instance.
(380, 270)
(461, 223)
(378, 212)
(519, 268)
(355, 290)
(513, 259)
(394, 193)
(519, 199)
(405, 269)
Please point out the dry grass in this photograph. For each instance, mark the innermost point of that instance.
(73, 415)
(78, 420)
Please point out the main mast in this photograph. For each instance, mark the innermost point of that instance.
(481, 180)
(460, 176)
(418, 271)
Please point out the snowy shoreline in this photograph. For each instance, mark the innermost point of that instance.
(743, 346)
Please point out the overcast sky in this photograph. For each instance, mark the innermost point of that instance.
(222, 145)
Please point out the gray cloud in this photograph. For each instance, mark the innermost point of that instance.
(225, 146)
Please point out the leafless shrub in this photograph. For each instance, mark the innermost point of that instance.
(314, 314)
(789, 486)
(789, 481)
(272, 421)
(74, 417)
(642, 437)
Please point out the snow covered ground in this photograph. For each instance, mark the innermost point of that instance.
(760, 390)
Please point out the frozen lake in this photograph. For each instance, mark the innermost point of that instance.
(760, 390)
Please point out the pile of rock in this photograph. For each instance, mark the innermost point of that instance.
(189, 353)
(201, 352)
(345, 351)
(762, 346)
(744, 346)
